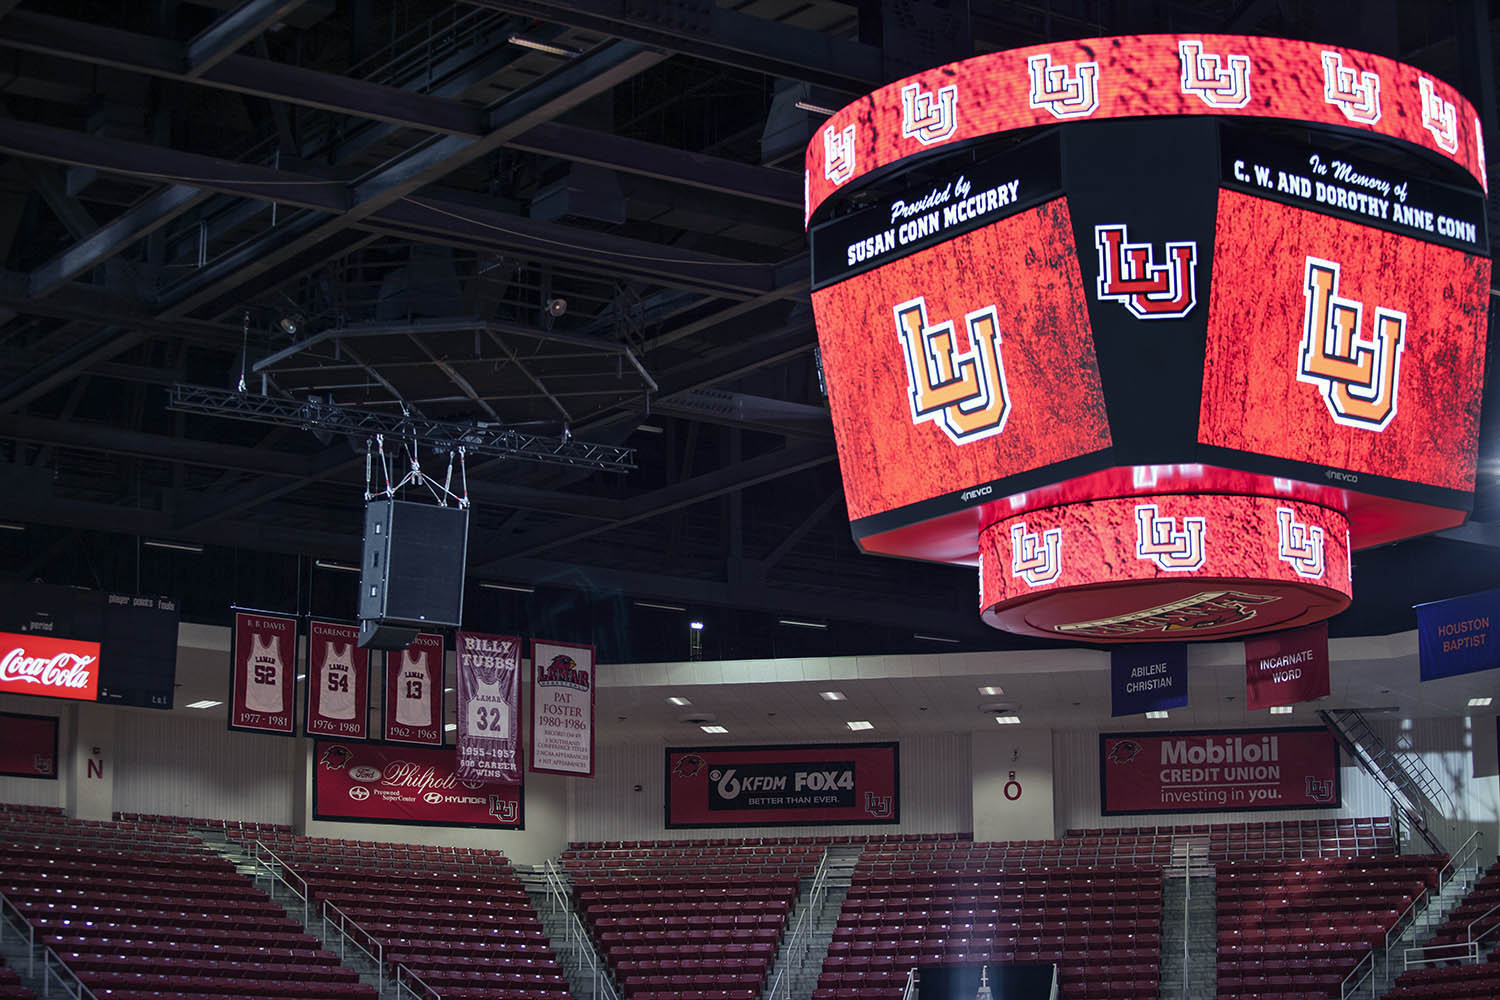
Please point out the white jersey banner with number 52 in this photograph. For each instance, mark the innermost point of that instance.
(489, 704)
(562, 708)
(262, 674)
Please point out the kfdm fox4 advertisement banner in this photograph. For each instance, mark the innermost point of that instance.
(841, 783)
(1283, 668)
(414, 692)
(377, 783)
(489, 706)
(338, 682)
(1457, 636)
(1235, 770)
(263, 673)
(562, 708)
(28, 745)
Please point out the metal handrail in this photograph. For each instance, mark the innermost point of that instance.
(1354, 981)
(12, 917)
(1056, 982)
(576, 936)
(407, 983)
(910, 992)
(347, 924)
(1431, 954)
(1187, 895)
(53, 967)
(803, 927)
(1469, 931)
(1460, 858)
(279, 870)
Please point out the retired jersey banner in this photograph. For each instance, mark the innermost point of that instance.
(338, 682)
(1233, 770)
(1457, 636)
(1283, 668)
(562, 708)
(28, 745)
(263, 675)
(822, 784)
(489, 706)
(378, 783)
(414, 692)
(1147, 678)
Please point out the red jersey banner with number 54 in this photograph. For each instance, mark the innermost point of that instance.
(489, 690)
(414, 692)
(262, 674)
(338, 682)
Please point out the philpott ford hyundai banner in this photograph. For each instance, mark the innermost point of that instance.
(783, 785)
(374, 783)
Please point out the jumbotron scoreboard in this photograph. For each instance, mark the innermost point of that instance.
(1153, 331)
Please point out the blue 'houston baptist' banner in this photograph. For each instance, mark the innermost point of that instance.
(1148, 678)
(1457, 636)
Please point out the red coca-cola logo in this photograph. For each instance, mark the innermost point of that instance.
(43, 665)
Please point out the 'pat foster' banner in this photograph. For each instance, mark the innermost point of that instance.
(52, 668)
(562, 708)
(28, 745)
(1286, 667)
(414, 692)
(1236, 770)
(1148, 678)
(489, 691)
(375, 783)
(263, 675)
(838, 783)
(1457, 636)
(338, 682)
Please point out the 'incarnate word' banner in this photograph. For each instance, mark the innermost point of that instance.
(1233, 770)
(1148, 678)
(375, 783)
(489, 691)
(338, 682)
(1457, 636)
(836, 783)
(1282, 668)
(562, 708)
(262, 674)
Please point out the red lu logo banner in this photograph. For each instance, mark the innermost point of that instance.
(28, 745)
(414, 692)
(562, 708)
(375, 783)
(338, 682)
(1286, 667)
(262, 675)
(52, 668)
(489, 706)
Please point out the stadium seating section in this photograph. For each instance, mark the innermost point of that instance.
(1316, 838)
(10, 985)
(1470, 920)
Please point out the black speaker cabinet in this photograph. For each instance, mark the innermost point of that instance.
(412, 571)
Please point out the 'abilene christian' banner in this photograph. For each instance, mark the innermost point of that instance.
(1147, 678)
(338, 682)
(1457, 636)
(1283, 668)
(489, 704)
(562, 708)
(262, 673)
(376, 783)
(1234, 770)
(837, 783)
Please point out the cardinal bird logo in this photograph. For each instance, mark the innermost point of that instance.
(1124, 751)
(688, 766)
(336, 757)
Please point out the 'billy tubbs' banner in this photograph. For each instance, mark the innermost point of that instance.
(1284, 668)
(262, 674)
(562, 708)
(338, 686)
(1236, 770)
(28, 745)
(374, 783)
(414, 692)
(840, 783)
(489, 703)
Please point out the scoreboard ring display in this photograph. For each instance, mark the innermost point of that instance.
(1218, 273)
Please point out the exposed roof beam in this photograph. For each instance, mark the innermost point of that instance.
(59, 368)
(225, 36)
(142, 219)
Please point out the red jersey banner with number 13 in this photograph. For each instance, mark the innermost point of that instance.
(414, 692)
(338, 682)
(489, 692)
(263, 674)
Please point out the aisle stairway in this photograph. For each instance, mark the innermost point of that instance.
(794, 971)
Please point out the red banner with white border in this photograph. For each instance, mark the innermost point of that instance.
(378, 783)
(414, 692)
(338, 682)
(1233, 770)
(489, 706)
(833, 783)
(28, 745)
(48, 667)
(263, 673)
(1283, 668)
(562, 708)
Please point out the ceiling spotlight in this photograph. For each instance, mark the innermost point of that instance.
(302, 677)
(678, 700)
(291, 324)
(696, 626)
(1281, 710)
(832, 695)
(1480, 702)
(1008, 720)
(1156, 715)
(557, 307)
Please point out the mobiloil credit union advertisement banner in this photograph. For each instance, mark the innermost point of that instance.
(783, 785)
(376, 783)
(1234, 770)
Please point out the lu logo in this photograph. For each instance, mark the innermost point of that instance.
(1359, 378)
(1438, 116)
(1035, 557)
(879, 806)
(1356, 94)
(838, 154)
(963, 392)
(1299, 545)
(1065, 97)
(1150, 291)
(1158, 539)
(1207, 77)
(929, 118)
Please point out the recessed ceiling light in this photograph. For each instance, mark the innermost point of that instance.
(341, 567)
(833, 696)
(991, 691)
(678, 700)
(860, 724)
(796, 623)
(715, 730)
(449, 690)
(933, 638)
(1156, 715)
(155, 543)
(11, 526)
(514, 588)
(659, 606)
(1008, 720)
(450, 727)
(206, 703)
(1480, 702)
(696, 626)
(302, 677)
(1281, 710)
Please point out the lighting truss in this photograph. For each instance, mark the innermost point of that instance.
(441, 435)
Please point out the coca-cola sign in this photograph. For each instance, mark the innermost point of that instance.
(375, 783)
(52, 668)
